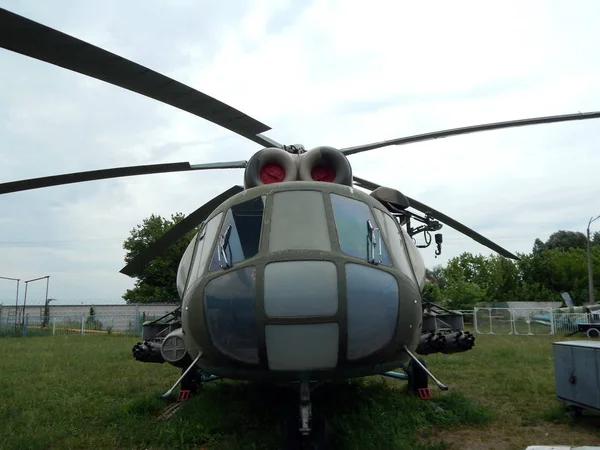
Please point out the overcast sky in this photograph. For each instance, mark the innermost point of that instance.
(338, 73)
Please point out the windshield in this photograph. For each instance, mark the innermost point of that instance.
(239, 237)
(358, 231)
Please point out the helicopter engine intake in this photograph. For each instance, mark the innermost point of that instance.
(325, 164)
(270, 165)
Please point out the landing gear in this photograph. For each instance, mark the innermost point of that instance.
(305, 431)
(418, 380)
(192, 381)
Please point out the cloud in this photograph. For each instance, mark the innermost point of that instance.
(320, 73)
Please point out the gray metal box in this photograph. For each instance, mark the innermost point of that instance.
(577, 373)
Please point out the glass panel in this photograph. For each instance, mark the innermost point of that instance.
(301, 288)
(372, 309)
(298, 222)
(302, 347)
(207, 237)
(416, 259)
(241, 233)
(230, 314)
(351, 217)
(393, 238)
(184, 266)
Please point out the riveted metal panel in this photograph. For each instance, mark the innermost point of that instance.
(577, 372)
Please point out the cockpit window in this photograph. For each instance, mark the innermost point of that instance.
(230, 313)
(298, 222)
(206, 237)
(394, 238)
(239, 237)
(184, 266)
(358, 232)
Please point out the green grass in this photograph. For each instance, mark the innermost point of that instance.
(88, 392)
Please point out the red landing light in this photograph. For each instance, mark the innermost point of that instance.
(272, 173)
(323, 173)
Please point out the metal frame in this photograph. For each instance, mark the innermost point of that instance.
(47, 278)
(18, 280)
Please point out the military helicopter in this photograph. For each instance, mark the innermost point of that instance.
(297, 276)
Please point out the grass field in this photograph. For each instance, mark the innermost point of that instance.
(87, 392)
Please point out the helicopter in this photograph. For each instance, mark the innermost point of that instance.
(304, 273)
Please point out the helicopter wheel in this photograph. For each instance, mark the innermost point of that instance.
(417, 377)
(192, 381)
(294, 440)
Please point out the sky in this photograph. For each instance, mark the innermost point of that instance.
(326, 72)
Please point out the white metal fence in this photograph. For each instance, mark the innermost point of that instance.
(33, 325)
(526, 321)
(507, 321)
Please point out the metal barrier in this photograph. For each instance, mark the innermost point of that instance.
(525, 321)
(566, 323)
(118, 325)
(518, 321)
(506, 321)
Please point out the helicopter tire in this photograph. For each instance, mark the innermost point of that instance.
(317, 440)
(417, 377)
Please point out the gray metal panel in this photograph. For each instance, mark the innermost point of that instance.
(586, 371)
(577, 372)
(563, 368)
(582, 343)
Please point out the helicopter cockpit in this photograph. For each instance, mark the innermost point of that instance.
(318, 256)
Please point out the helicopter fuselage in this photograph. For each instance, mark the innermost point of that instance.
(300, 280)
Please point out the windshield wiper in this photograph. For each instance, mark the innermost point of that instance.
(223, 245)
(373, 241)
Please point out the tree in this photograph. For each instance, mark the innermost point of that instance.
(495, 276)
(564, 240)
(92, 323)
(437, 274)
(157, 281)
(431, 292)
(463, 295)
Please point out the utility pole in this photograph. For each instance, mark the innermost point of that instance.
(589, 261)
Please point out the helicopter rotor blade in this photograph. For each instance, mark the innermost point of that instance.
(24, 36)
(470, 129)
(425, 209)
(117, 172)
(162, 244)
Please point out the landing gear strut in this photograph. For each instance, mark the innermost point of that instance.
(305, 431)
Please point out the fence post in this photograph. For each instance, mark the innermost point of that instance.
(82, 325)
(54, 326)
(552, 329)
(25, 323)
(475, 329)
(511, 315)
(491, 326)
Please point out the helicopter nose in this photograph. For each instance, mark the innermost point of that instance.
(301, 303)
